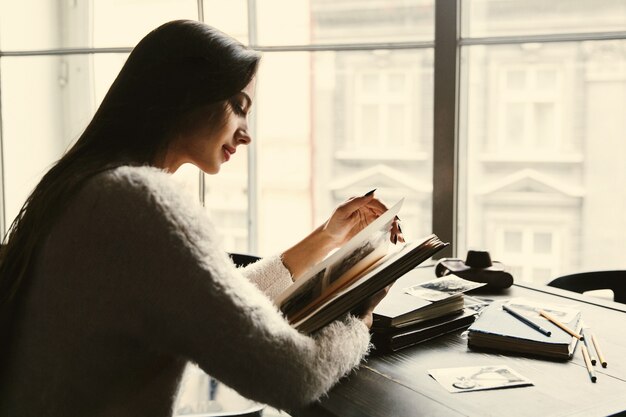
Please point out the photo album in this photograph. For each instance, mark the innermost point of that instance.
(498, 330)
(366, 264)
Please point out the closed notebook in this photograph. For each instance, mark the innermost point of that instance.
(393, 339)
(399, 309)
(496, 329)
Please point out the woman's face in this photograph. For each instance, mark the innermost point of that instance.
(207, 147)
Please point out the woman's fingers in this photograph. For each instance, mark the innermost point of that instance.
(361, 211)
(377, 205)
(396, 232)
(365, 209)
(366, 310)
(354, 204)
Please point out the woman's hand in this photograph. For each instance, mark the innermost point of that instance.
(354, 215)
(366, 311)
(347, 220)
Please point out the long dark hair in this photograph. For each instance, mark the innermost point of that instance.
(175, 70)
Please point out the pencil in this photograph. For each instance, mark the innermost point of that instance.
(598, 351)
(585, 341)
(592, 374)
(526, 320)
(561, 325)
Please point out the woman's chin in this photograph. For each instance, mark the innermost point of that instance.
(209, 170)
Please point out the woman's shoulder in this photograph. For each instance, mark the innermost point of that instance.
(139, 181)
(135, 177)
(146, 197)
(141, 186)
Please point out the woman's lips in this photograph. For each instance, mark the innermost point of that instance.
(228, 151)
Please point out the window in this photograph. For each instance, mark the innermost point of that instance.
(528, 113)
(531, 250)
(384, 118)
(345, 103)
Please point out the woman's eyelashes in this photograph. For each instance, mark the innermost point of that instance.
(239, 107)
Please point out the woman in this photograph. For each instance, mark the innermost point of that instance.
(111, 281)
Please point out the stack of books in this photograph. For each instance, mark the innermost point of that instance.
(392, 339)
(401, 309)
(408, 316)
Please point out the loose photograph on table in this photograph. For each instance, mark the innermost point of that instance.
(476, 378)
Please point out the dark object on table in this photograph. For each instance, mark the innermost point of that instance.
(477, 267)
(594, 280)
(243, 259)
(392, 339)
(399, 309)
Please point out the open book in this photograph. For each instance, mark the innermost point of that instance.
(343, 280)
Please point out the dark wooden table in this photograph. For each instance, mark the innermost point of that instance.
(398, 384)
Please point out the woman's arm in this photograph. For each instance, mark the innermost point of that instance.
(269, 274)
(274, 274)
(309, 251)
(188, 300)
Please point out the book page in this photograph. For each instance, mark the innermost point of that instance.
(363, 250)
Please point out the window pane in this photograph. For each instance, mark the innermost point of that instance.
(46, 103)
(370, 83)
(527, 17)
(331, 21)
(542, 243)
(563, 176)
(36, 92)
(397, 83)
(311, 145)
(546, 79)
(544, 132)
(516, 80)
(371, 126)
(226, 199)
(542, 274)
(513, 242)
(397, 123)
(133, 19)
(514, 118)
(228, 16)
(81, 24)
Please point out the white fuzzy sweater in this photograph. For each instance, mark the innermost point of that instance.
(130, 285)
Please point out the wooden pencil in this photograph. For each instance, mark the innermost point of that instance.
(598, 351)
(586, 342)
(561, 325)
(590, 370)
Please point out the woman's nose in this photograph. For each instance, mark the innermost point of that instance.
(243, 137)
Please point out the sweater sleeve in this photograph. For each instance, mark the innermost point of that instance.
(189, 300)
(269, 274)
